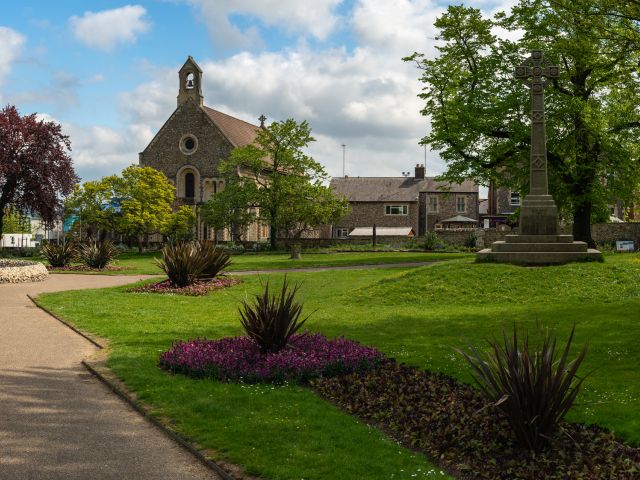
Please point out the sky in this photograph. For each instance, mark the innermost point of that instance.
(107, 71)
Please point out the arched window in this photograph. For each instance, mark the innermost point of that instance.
(189, 185)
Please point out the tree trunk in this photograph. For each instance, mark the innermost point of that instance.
(272, 236)
(139, 243)
(296, 251)
(582, 224)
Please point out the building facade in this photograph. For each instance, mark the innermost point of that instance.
(419, 202)
(190, 146)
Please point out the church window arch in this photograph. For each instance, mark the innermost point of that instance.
(189, 185)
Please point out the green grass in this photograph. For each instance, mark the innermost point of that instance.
(415, 315)
(143, 264)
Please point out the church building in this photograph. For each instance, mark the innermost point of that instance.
(191, 144)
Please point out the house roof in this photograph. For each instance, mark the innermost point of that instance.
(458, 219)
(394, 189)
(238, 131)
(382, 232)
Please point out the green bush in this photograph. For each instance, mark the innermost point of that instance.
(471, 241)
(272, 319)
(431, 241)
(533, 388)
(97, 254)
(214, 260)
(59, 254)
(187, 262)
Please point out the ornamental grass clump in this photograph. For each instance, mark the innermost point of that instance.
(59, 254)
(272, 319)
(239, 359)
(98, 254)
(185, 263)
(533, 388)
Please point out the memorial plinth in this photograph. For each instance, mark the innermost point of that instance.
(539, 242)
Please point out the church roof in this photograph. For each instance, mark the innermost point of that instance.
(238, 131)
(394, 189)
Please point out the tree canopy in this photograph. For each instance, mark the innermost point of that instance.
(480, 113)
(36, 170)
(146, 197)
(275, 179)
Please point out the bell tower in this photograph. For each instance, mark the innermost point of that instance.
(190, 77)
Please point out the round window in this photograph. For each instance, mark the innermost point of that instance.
(188, 144)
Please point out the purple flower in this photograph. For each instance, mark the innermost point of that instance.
(239, 359)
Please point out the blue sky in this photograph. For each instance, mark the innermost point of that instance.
(107, 71)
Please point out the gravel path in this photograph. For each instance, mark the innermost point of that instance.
(57, 421)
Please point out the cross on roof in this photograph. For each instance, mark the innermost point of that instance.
(262, 118)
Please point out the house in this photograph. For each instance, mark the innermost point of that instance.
(192, 143)
(417, 202)
(501, 204)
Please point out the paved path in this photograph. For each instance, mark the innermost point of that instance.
(57, 421)
(334, 267)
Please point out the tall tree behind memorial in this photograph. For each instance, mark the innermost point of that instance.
(478, 111)
(36, 170)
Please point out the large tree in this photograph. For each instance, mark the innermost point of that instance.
(276, 178)
(146, 197)
(95, 205)
(480, 114)
(36, 170)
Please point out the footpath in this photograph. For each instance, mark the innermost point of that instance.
(57, 421)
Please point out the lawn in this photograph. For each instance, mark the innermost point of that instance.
(415, 315)
(141, 264)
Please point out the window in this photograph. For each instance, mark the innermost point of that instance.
(188, 144)
(342, 232)
(514, 200)
(461, 204)
(396, 209)
(433, 204)
(189, 185)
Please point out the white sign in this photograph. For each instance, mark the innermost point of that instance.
(625, 246)
(486, 223)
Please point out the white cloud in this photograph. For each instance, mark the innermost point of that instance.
(106, 29)
(365, 98)
(11, 43)
(316, 18)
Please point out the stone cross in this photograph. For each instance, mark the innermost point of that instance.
(262, 118)
(535, 71)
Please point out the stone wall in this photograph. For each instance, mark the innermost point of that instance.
(610, 232)
(603, 233)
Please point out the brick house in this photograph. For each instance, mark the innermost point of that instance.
(191, 144)
(418, 202)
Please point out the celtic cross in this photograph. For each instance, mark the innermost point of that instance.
(535, 72)
(262, 118)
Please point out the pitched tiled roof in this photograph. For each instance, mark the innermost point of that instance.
(238, 131)
(394, 189)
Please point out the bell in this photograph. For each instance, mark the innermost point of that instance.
(190, 83)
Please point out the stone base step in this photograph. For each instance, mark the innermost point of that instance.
(537, 258)
(502, 246)
(538, 238)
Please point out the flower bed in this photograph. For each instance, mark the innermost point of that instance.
(18, 271)
(198, 288)
(238, 359)
(453, 424)
(84, 268)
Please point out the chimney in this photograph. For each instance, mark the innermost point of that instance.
(419, 171)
